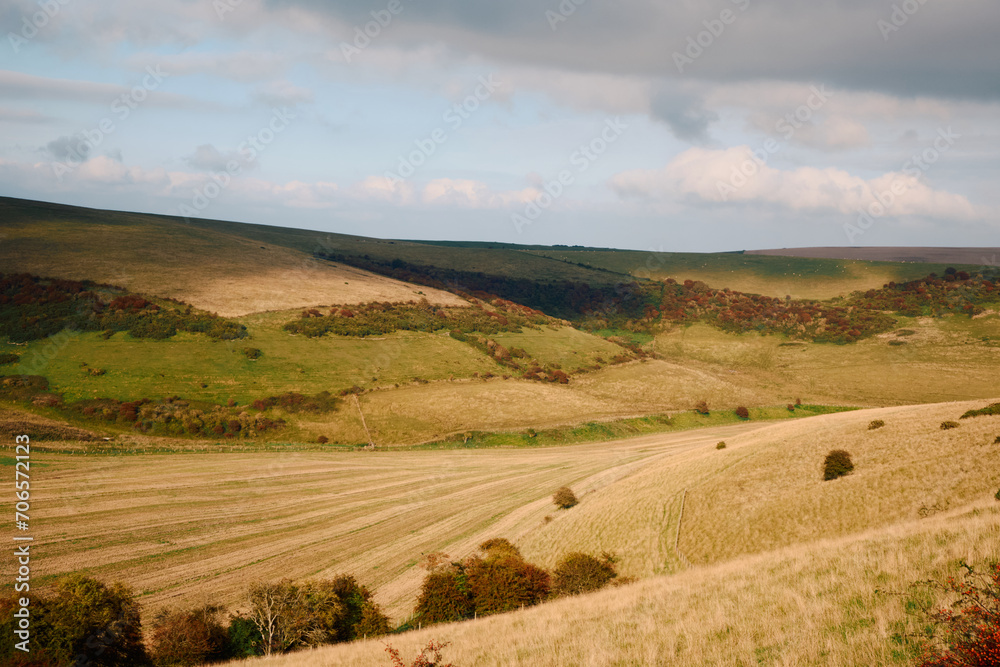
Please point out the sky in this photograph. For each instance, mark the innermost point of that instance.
(674, 126)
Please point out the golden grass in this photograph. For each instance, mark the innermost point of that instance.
(765, 490)
(835, 603)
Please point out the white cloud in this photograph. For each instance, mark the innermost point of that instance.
(733, 176)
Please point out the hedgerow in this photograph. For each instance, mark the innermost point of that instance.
(32, 308)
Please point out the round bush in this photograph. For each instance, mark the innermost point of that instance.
(875, 423)
(948, 425)
(721, 445)
(564, 498)
(581, 573)
(837, 464)
(742, 412)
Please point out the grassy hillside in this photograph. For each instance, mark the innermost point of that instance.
(213, 268)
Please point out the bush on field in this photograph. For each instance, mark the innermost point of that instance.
(875, 423)
(8, 358)
(503, 581)
(191, 637)
(701, 407)
(445, 595)
(721, 445)
(564, 498)
(742, 412)
(582, 573)
(948, 425)
(837, 464)
(993, 409)
(251, 353)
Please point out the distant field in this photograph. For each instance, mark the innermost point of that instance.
(955, 358)
(800, 278)
(969, 256)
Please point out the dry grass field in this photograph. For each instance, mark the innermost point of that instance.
(783, 566)
(183, 527)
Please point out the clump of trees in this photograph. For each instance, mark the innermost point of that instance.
(289, 615)
(498, 579)
(85, 620)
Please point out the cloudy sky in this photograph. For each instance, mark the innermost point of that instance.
(695, 125)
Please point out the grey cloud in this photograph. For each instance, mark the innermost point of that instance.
(685, 114)
(76, 147)
(209, 158)
(944, 49)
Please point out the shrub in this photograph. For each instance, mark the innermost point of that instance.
(504, 581)
(445, 595)
(8, 358)
(190, 637)
(742, 412)
(968, 632)
(564, 498)
(581, 573)
(430, 656)
(948, 425)
(251, 353)
(721, 445)
(322, 439)
(791, 407)
(798, 402)
(701, 407)
(875, 423)
(997, 496)
(993, 409)
(837, 464)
